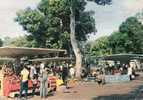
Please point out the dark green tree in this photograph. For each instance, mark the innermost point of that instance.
(134, 30)
(74, 17)
(32, 22)
(129, 38)
(1, 43)
(53, 18)
(119, 42)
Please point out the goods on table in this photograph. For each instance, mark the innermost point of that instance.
(12, 79)
(7, 71)
(9, 75)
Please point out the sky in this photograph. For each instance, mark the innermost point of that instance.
(108, 18)
(8, 9)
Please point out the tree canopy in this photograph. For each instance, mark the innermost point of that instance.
(1, 43)
(49, 22)
(19, 42)
(99, 46)
(53, 18)
(134, 31)
(127, 40)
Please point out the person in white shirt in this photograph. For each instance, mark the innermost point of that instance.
(32, 71)
(130, 71)
(72, 72)
(42, 66)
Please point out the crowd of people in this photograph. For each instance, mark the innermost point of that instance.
(124, 69)
(39, 73)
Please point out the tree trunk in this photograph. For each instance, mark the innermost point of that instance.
(75, 44)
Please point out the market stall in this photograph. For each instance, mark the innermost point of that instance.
(9, 81)
(116, 66)
(67, 60)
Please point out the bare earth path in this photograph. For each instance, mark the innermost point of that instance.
(91, 91)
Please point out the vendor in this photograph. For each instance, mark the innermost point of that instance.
(100, 78)
(130, 72)
(24, 81)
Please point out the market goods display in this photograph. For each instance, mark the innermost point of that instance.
(7, 71)
(12, 79)
(9, 75)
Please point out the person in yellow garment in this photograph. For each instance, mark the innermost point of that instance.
(24, 81)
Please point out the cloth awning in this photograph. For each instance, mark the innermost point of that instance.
(24, 51)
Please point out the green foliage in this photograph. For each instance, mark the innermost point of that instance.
(1, 43)
(30, 19)
(52, 18)
(134, 30)
(49, 24)
(19, 42)
(99, 47)
(129, 38)
(32, 22)
(118, 42)
(85, 23)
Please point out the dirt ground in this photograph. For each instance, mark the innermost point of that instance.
(92, 91)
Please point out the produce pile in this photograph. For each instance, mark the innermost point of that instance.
(9, 75)
(7, 71)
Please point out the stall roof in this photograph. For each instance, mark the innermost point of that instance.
(24, 51)
(7, 59)
(121, 57)
(53, 59)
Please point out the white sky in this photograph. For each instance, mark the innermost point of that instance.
(108, 18)
(8, 9)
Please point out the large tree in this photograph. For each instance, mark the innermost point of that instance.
(75, 13)
(129, 37)
(60, 24)
(134, 30)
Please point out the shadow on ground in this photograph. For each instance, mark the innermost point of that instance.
(133, 95)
